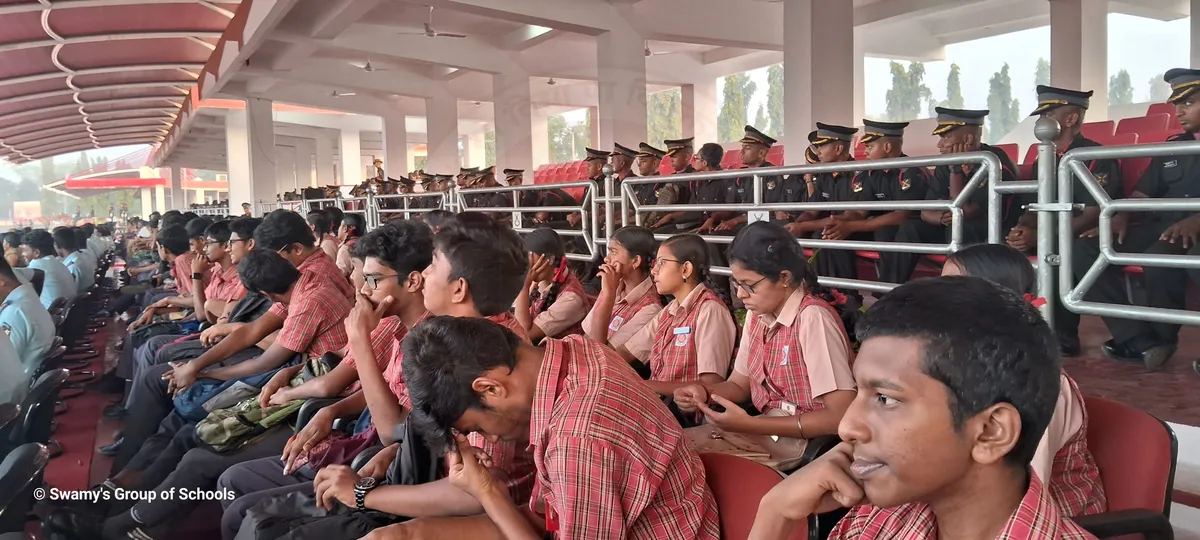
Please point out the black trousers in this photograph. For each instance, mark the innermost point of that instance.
(899, 267)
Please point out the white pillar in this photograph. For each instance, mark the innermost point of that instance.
(818, 62)
(250, 150)
(476, 147)
(620, 55)
(326, 168)
(286, 169)
(441, 121)
(178, 198)
(350, 151)
(860, 86)
(540, 140)
(237, 152)
(147, 201)
(699, 106)
(514, 121)
(395, 145)
(1079, 50)
(594, 136)
(306, 172)
(1195, 34)
(199, 197)
(160, 199)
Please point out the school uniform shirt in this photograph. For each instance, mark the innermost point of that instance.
(510, 322)
(569, 309)
(83, 271)
(1035, 518)
(14, 382)
(633, 310)
(28, 325)
(612, 463)
(317, 270)
(316, 321)
(225, 285)
(181, 272)
(687, 339)
(330, 246)
(96, 246)
(393, 371)
(793, 360)
(1063, 457)
(345, 256)
(58, 281)
(1171, 177)
(904, 184)
(939, 186)
(383, 347)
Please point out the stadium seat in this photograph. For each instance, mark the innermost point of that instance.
(1142, 124)
(1136, 454)
(1012, 149)
(1151, 137)
(775, 155)
(1092, 130)
(20, 473)
(1123, 139)
(732, 160)
(738, 485)
(1169, 110)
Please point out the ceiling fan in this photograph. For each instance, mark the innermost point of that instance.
(551, 82)
(430, 32)
(367, 67)
(650, 53)
(337, 94)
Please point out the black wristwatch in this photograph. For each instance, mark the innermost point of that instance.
(361, 488)
(198, 275)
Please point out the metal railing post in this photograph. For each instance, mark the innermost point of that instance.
(608, 172)
(1047, 130)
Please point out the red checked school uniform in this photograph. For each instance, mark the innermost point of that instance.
(1063, 456)
(317, 269)
(687, 339)
(181, 271)
(1036, 518)
(612, 462)
(225, 285)
(632, 311)
(793, 360)
(383, 345)
(393, 372)
(564, 316)
(316, 322)
(510, 322)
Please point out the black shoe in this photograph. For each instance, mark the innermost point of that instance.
(115, 411)
(111, 450)
(1069, 345)
(1156, 357)
(77, 523)
(1121, 352)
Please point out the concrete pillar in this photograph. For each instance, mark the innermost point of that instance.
(146, 199)
(395, 144)
(199, 198)
(594, 136)
(160, 199)
(699, 107)
(306, 172)
(1079, 50)
(818, 62)
(860, 85)
(286, 169)
(237, 152)
(178, 197)
(1195, 34)
(514, 121)
(621, 58)
(476, 147)
(350, 152)
(441, 121)
(540, 139)
(326, 169)
(250, 150)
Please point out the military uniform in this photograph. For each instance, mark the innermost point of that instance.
(741, 190)
(836, 187)
(904, 184)
(687, 191)
(28, 325)
(648, 193)
(898, 267)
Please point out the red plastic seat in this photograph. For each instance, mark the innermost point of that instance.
(1151, 137)
(738, 485)
(1123, 139)
(1092, 130)
(871, 255)
(1136, 454)
(1142, 124)
(775, 154)
(940, 259)
(1012, 149)
(1134, 270)
(732, 159)
(1161, 108)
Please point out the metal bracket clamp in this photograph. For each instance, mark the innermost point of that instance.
(1053, 207)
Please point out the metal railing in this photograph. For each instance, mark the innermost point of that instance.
(1072, 166)
(379, 213)
(587, 208)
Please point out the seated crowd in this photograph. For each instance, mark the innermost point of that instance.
(449, 378)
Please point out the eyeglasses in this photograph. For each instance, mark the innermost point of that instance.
(748, 287)
(659, 262)
(373, 280)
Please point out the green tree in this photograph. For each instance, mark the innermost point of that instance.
(1159, 89)
(908, 95)
(775, 105)
(735, 107)
(567, 141)
(664, 115)
(489, 148)
(1005, 111)
(760, 120)
(954, 98)
(1120, 89)
(1042, 75)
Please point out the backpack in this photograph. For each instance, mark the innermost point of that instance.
(229, 429)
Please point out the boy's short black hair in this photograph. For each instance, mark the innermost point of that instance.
(6, 272)
(490, 257)
(266, 271)
(442, 357)
(40, 240)
(12, 238)
(335, 216)
(319, 221)
(281, 229)
(196, 227)
(403, 246)
(356, 226)
(172, 220)
(984, 342)
(88, 228)
(81, 238)
(218, 231)
(175, 240)
(64, 238)
(189, 216)
(244, 227)
(154, 222)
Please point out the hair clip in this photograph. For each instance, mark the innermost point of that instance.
(1036, 302)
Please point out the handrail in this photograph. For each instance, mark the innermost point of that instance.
(405, 198)
(1071, 294)
(586, 208)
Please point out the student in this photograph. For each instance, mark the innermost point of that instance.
(352, 228)
(794, 359)
(14, 383)
(612, 463)
(315, 325)
(947, 418)
(628, 300)
(318, 221)
(12, 249)
(67, 247)
(552, 302)
(24, 319)
(91, 242)
(692, 339)
(38, 248)
(214, 301)
(175, 248)
(336, 218)
(1062, 460)
(478, 270)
